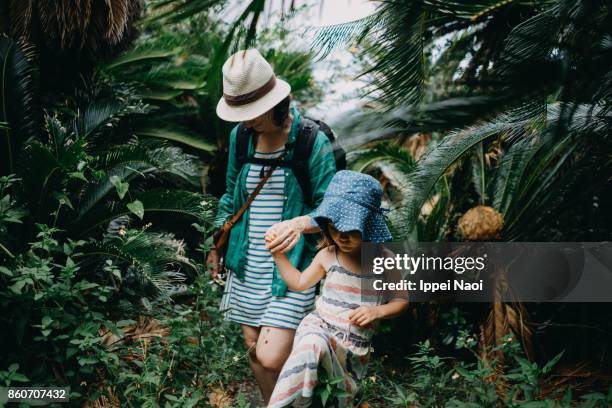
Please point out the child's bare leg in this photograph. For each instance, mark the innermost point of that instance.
(273, 349)
(251, 334)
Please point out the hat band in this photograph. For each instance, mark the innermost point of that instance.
(237, 100)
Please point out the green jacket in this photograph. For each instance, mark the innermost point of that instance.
(322, 168)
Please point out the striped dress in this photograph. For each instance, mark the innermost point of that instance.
(249, 301)
(326, 340)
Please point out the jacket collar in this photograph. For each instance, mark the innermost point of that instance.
(297, 118)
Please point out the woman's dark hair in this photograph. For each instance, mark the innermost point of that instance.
(280, 112)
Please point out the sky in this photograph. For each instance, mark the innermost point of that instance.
(341, 89)
(323, 12)
(340, 11)
(336, 72)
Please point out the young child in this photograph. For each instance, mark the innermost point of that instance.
(336, 336)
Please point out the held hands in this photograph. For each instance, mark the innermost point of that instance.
(365, 315)
(283, 236)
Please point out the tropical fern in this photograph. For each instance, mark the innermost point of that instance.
(153, 262)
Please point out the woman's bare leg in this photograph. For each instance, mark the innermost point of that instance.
(273, 348)
(251, 334)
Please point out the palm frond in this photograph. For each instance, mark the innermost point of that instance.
(152, 262)
(131, 161)
(437, 218)
(42, 173)
(174, 203)
(97, 114)
(176, 134)
(510, 172)
(382, 153)
(138, 55)
(479, 173)
(326, 39)
(436, 162)
(172, 11)
(18, 105)
(557, 169)
(399, 68)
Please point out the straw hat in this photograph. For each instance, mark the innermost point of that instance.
(250, 87)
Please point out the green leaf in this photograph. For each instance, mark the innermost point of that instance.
(19, 377)
(16, 288)
(46, 321)
(177, 134)
(336, 380)
(140, 55)
(136, 208)
(325, 393)
(548, 366)
(145, 302)
(6, 271)
(160, 94)
(123, 323)
(120, 186)
(86, 360)
(78, 175)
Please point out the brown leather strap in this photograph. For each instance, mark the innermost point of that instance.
(221, 236)
(237, 100)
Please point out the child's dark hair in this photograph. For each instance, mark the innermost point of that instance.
(280, 112)
(326, 239)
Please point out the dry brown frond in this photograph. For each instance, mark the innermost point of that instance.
(504, 319)
(417, 144)
(86, 25)
(112, 401)
(145, 329)
(220, 398)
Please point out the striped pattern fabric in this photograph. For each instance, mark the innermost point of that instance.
(327, 340)
(249, 301)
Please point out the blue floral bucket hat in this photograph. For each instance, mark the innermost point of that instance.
(352, 202)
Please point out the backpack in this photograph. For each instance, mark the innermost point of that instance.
(302, 146)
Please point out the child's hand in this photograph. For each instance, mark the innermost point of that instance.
(269, 237)
(364, 315)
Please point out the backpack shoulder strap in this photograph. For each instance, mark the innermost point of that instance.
(304, 143)
(242, 144)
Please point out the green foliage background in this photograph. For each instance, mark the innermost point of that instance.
(111, 152)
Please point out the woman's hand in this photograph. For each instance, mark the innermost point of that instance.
(212, 263)
(283, 236)
(364, 315)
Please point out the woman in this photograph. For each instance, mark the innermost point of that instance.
(256, 296)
